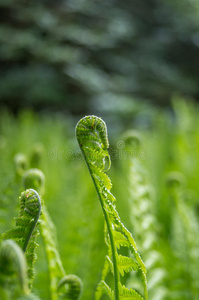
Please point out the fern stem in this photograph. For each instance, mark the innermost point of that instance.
(54, 261)
(113, 247)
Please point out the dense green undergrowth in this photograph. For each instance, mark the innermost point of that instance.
(154, 174)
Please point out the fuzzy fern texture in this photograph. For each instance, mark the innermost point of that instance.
(92, 137)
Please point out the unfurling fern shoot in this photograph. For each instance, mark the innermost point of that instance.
(92, 137)
(61, 285)
(25, 233)
(13, 275)
(184, 239)
(141, 198)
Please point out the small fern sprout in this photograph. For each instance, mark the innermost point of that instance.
(175, 180)
(184, 239)
(13, 274)
(21, 164)
(34, 179)
(132, 139)
(143, 221)
(92, 137)
(73, 287)
(25, 233)
(36, 155)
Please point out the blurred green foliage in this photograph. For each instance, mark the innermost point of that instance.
(71, 54)
(157, 196)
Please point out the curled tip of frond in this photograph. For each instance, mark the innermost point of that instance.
(34, 179)
(70, 287)
(36, 156)
(12, 261)
(31, 202)
(132, 139)
(92, 125)
(21, 163)
(30, 206)
(175, 180)
(92, 137)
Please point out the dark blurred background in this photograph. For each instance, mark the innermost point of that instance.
(81, 56)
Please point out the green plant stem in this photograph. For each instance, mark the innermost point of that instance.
(113, 247)
(55, 267)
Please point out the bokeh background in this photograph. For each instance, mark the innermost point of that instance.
(135, 64)
(80, 56)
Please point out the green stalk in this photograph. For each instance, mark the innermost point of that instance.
(55, 267)
(113, 248)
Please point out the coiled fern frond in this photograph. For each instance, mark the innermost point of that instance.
(20, 163)
(184, 241)
(92, 137)
(66, 287)
(34, 179)
(74, 289)
(142, 216)
(25, 233)
(13, 273)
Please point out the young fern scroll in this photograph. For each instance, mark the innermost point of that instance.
(25, 233)
(60, 285)
(92, 137)
(13, 275)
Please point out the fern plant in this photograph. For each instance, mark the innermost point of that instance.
(92, 137)
(184, 241)
(25, 233)
(13, 273)
(61, 285)
(21, 164)
(142, 217)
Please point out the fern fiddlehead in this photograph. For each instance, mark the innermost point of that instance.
(184, 238)
(142, 216)
(34, 178)
(75, 287)
(13, 274)
(92, 137)
(20, 163)
(25, 233)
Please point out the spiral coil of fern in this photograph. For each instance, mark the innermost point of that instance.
(75, 287)
(34, 178)
(184, 237)
(25, 233)
(13, 274)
